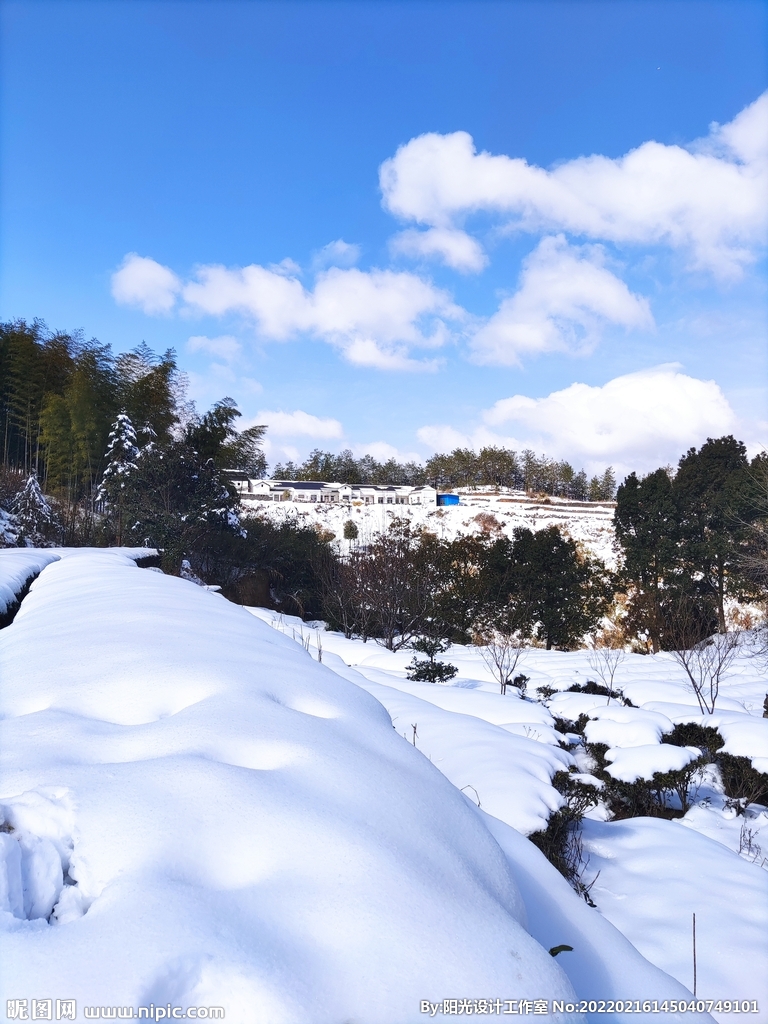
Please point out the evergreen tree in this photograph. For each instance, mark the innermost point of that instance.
(122, 453)
(33, 514)
(556, 594)
(714, 500)
(646, 527)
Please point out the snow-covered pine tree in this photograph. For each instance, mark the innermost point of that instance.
(34, 516)
(122, 453)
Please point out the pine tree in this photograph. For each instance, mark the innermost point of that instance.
(33, 514)
(122, 453)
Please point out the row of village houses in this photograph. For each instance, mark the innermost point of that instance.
(329, 493)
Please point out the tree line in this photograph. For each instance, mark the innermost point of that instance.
(463, 467)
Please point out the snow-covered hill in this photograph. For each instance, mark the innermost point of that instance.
(198, 813)
(589, 523)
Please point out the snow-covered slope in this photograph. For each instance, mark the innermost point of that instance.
(198, 813)
(650, 875)
(589, 523)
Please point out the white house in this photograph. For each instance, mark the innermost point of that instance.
(320, 492)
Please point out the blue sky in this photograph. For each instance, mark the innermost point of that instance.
(399, 227)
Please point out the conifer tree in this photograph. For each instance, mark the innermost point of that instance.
(122, 453)
(33, 514)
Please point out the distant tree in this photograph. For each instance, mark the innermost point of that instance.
(430, 671)
(351, 531)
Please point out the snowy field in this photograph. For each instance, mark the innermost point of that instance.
(589, 523)
(198, 813)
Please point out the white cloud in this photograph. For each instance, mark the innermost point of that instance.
(638, 421)
(299, 424)
(566, 297)
(286, 267)
(373, 317)
(142, 282)
(456, 248)
(367, 352)
(223, 347)
(708, 199)
(336, 254)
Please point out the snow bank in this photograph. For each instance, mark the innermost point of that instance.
(17, 567)
(603, 964)
(210, 817)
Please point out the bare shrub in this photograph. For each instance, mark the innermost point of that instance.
(502, 653)
(604, 661)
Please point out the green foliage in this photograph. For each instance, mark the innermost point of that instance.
(742, 782)
(686, 541)
(175, 502)
(554, 592)
(214, 436)
(351, 531)
(430, 671)
(692, 734)
(600, 690)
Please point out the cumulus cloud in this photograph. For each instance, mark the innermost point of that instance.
(707, 199)
(565, 299)
(373, 317)
(299, 424)
(638, 421)
(223, 347)
(336, 254)
(456, 248)
(141, 281)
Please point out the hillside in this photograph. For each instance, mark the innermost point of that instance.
(590, 523)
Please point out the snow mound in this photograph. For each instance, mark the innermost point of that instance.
(626, 727)
(628, 764)
(201, 813)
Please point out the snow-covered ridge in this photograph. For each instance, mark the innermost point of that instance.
(17, 567)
